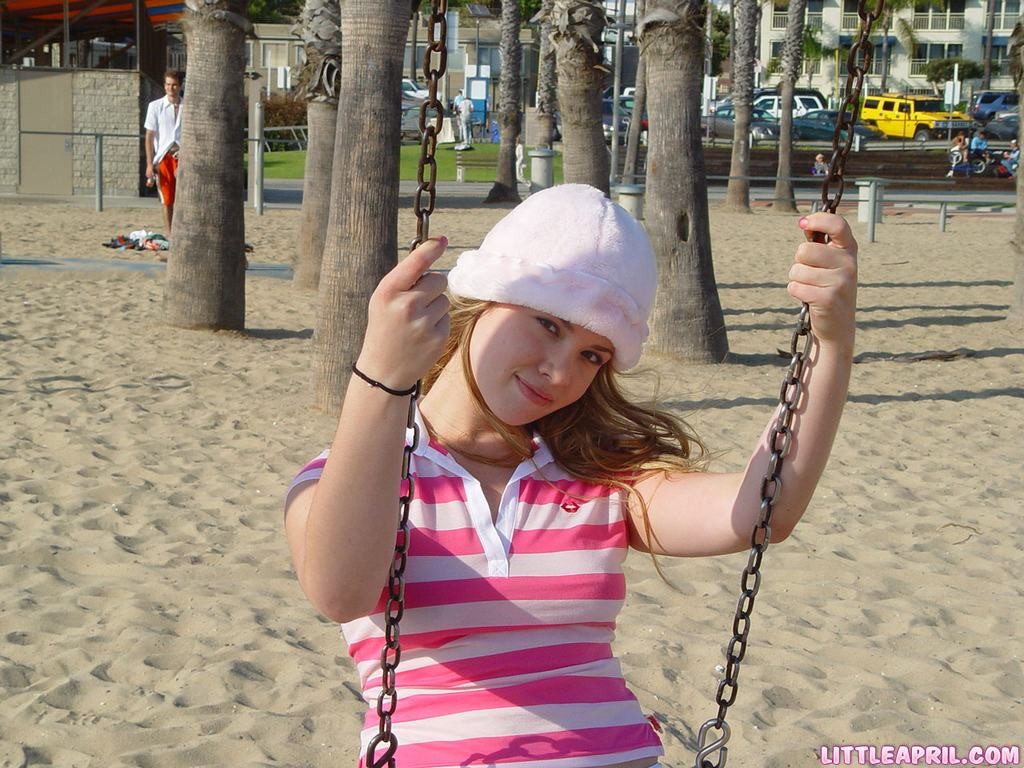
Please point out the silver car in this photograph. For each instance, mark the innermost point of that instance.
(763, 127)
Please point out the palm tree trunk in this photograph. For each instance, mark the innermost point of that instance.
(792, 58)
(321, 119)
(578, 26)
(362, 234)
(687, 321)
(505, 189)
(205, 286)
(737, 194)
(546, 79)
(320, 27)
(886, 24)
(990, 26)
(629, 169)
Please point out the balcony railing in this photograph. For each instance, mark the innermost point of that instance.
(851, 21)
(875, 69)
(938, 21)
(812, 20)
(918, 67)
(1006, 21)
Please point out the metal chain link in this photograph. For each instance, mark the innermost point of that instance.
(431, 116)
(391, 653)
(781, 434)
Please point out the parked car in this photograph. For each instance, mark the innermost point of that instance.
(1003, 128)
(763, 127)
(804, 101)
(820, 124)
(912, 117)
(628, 101)
(986, 104)
(606, 120)
(412, 91)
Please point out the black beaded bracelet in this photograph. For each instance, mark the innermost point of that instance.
(413, 390)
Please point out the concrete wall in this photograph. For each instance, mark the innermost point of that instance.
(8, 131)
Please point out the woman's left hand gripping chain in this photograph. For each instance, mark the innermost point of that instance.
(824, 276)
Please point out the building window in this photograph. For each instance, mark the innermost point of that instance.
(248, 53)
(928, 52)
(1007, 13)
(274, 55)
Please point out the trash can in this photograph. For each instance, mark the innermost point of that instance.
(542, 169)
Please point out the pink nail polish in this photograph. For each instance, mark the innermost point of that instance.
(803, 223)
(443, 240)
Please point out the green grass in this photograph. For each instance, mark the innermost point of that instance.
(291, 164)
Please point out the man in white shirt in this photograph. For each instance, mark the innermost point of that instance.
(457, 105)
(466, 115)
(163, 138)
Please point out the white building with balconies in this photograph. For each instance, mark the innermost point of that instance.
(950, 29)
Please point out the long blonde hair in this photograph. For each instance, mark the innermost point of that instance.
(601, 438)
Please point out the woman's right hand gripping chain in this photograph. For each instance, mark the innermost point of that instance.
(407, 320)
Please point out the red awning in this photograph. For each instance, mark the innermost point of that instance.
(115, 11)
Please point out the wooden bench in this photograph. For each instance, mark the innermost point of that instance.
(462, 162)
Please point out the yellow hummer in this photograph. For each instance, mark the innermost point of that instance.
(913, 117)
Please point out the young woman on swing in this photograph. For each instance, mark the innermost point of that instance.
(532, 476)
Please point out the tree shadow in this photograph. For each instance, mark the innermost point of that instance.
(876, 308)
(916, 284)
(956, 396)
(926, 321)
(274, 334)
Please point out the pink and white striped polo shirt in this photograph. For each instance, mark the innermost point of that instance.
(507, 631)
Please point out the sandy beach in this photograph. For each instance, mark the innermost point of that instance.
(148, 610)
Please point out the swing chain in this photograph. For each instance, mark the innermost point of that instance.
(858, 62)
(781, 434)
(391, 652)
(431, 117)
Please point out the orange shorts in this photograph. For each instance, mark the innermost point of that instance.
(167, 178)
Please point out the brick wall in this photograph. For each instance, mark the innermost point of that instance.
(108, 102)
(8, 131)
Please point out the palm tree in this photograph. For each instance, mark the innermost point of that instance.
(639, 105)
(320, 29)
(362, 233)
(990, 26)
(737, 194)
(687, 321)
(505, 189)
(577, 27)
(904, 31)
(205, 286)
(1017, 67)
(547, 80)
(792, 50)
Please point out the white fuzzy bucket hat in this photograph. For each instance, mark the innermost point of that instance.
(573, 253)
